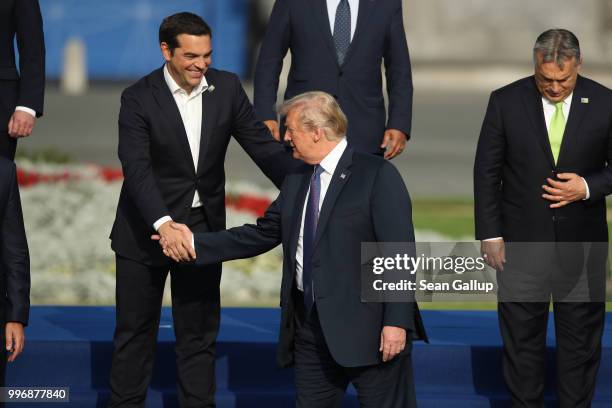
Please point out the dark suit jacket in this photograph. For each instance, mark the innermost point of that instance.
(14, 256)
(357, 208)
(514, 159)
(160, 178)
(303, 27)
(26, 88)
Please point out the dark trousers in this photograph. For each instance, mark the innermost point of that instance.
(321, 383)
(196, 315)
(578, 331)
(9, 90)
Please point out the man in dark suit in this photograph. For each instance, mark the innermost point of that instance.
(21, 93)
(322, 215)
(174, 128)
(541, 176)
(337, 46)
(14, 268)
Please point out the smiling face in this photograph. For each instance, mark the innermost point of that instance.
(553, 82)
(188, 62)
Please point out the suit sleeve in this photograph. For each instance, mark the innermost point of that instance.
(270, 61)
(272, 157)
(31, 45)
(241, 242)
(135, 157)
(393, 223)
(600, 184)
(398, 73)
(15, 256)
(488, 173)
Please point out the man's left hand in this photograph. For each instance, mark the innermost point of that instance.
(15, 339)
(392, 342)
(561, 193)
(21, 124)
(394, 141)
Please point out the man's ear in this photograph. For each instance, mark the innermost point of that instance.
(166, 51)
(318, 134)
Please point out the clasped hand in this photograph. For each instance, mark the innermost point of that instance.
(176, 241)
(569, 188)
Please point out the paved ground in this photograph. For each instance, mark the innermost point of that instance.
(437, 162)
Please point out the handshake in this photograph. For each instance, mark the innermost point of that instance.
(176, 241)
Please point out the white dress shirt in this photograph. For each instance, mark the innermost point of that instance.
(328, 164)
(190, 108)
(25, 109)
(332, 5)
(549, 111)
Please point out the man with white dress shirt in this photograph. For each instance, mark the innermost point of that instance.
(174, 128)
(21, 91)
(339, 199)
(541, 175)
(338, 47)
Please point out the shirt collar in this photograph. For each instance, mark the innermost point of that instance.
(567, 101)
(330, 162)
(174, 87)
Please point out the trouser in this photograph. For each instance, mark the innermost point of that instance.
(578, 332)
(321, 382)
(196, 316)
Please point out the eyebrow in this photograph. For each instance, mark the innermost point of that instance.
(565, 78)
(193, 54)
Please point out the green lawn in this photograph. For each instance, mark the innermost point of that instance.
(451, 217)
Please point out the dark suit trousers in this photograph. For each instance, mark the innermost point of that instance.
(321, 383)
(3, 357)
(196, 315)
(578, 331)
(8, 99)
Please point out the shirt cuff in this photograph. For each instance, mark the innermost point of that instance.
(26, 110)
(161, 222)
(492, 239)
(588, 192)
(192, 241)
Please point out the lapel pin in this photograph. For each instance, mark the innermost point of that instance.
(584, 100)
(342, 176)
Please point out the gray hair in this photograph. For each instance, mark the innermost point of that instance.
(318, 110)
(557, 45)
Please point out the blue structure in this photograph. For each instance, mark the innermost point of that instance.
(460, 368)
(122, 37)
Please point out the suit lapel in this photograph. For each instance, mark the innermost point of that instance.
(169, 109)
(535, 111)
(366, 8)
(338, 181)
(298, 209)
(576, 115)
(209, 113)
(322, 19)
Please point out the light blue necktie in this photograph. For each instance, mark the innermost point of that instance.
(342, 30)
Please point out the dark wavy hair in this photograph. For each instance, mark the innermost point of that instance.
(181, 23)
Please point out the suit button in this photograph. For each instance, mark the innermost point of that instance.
(554, 218)
(340, 73)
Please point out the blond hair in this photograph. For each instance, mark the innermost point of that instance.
(318, 110)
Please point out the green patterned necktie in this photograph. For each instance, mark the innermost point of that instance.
(556, 129)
